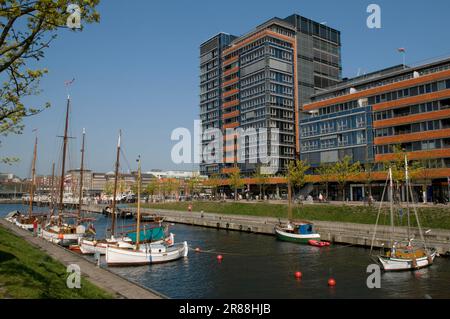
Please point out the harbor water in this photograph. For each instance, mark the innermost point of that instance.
(261, 267)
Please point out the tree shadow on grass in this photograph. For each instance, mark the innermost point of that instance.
(5, 256)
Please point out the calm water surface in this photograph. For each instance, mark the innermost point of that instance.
(259, 266)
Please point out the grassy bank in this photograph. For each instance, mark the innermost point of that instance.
(27, 272)
(437, 218)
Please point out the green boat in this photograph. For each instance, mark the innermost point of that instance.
(297, 232)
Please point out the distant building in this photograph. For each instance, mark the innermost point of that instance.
(368, 117)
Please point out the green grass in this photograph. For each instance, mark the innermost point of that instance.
(436, 218)
(28, 273)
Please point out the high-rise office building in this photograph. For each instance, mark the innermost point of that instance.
(253, 88)
(211, 93)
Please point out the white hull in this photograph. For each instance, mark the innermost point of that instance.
(296, 237)
(29, 227)
(148, 254)
(89, 247)
(61, 239)
(396, 264)
(92, 247)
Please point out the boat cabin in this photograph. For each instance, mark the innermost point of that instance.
(300, 228)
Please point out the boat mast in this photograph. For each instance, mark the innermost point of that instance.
(407, 196)
(33, 179)
(52, 190)
(138, 224)
(116, 178)
(80, 202)
(391, 199)
(63, 166)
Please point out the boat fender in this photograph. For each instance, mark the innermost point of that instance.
(430, 259)
(414, 263)
(228, 225)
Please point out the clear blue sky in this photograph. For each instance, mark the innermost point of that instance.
(138, 68)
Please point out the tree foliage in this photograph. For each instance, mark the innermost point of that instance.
(27, 28)
(297, 173)
(236, 181)
(344, 170)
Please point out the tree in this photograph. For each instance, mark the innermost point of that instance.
(368, 177)
(397, 165)
(236, 181)
(214, 182)
(344, 170)
(297, 173)
(421, 174)
(27, 29)
(192, 184)
(296, 177)
(108, 189)
(261, 180)
(151, 188)
(325, 173)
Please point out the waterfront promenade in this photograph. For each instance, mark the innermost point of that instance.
(103, 278)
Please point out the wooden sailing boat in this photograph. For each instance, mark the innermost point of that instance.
(298, 232)
(63, 233)
(92, 245)
(403, 255)
(27, 221)
(148, 253)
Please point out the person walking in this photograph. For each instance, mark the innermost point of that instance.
(35, 227)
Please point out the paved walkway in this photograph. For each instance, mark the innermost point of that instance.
(103, 278)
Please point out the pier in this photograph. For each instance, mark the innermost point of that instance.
(335, 232)
(103, 278)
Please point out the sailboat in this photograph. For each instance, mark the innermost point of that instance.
(298, 232)
(407, 254)
(147, 253)
(27, 221)
(92, 245)
(60, 232)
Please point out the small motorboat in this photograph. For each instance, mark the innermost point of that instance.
(300, 232)
(317, 243)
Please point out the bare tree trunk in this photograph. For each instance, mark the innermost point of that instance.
(289, 201)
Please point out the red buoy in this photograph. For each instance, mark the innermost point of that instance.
(331, 282)
(298, 275)
(219, 257)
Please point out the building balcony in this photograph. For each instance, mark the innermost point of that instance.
(411, 137)
(421, 117)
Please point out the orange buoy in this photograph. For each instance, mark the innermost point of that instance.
(219, 257)
(298, 275)
(331, 282)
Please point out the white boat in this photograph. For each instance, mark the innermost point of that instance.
(64, 235)
(93, 246)
(146, 254)
(398, 264)
(400, 256)
(12, 216)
